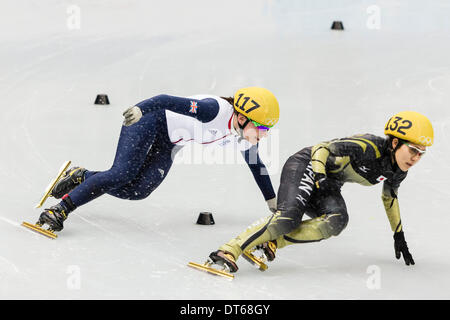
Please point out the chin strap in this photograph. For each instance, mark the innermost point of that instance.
(394, 162)
(243, 125)
(240, 133)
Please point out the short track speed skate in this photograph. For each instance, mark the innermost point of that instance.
(257, 261)
(259, 255)
(38, 228)
(54, 217)
(52, 184)
(220, 259)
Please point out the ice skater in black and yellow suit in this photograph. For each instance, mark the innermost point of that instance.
(311, 181)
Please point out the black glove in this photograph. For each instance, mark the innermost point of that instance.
(323, 183)
(401, 248)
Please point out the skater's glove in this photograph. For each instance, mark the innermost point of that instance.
(401, 248)
(132, 115)
(272, 204)
(323, 183)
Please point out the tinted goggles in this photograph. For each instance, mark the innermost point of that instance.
(260, 126)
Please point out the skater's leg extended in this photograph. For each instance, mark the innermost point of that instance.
(153, 172)
(254, 235)
(270, 228)
(134, 144)
(332, 221)
(295, 190)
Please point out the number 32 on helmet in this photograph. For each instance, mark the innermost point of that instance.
(411, 126)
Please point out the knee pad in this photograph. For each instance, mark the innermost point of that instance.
(331, 224)
(284, 222)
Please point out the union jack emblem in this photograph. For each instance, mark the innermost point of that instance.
(193, 107)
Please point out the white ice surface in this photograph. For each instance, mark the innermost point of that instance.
(329, 84)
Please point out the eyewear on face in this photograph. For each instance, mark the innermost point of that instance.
(414, 150)
(260, 126)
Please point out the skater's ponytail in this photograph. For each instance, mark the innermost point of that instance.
(230, 100)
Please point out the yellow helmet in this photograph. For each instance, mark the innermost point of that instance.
(411, 126)
(257, 104)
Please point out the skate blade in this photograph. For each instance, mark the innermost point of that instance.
(38, 229)
(52, 184)
(258, 263)
(205, 267)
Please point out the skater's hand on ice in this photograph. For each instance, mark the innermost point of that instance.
(272, 204)
(401, 248)
(132, 115)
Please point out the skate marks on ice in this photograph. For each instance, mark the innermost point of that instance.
(30, 227)
(16, 224)
(10, 263)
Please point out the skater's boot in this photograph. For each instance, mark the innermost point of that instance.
(224, 259)
(71, 178)
(55, 216)
(268, 249)
(260, 254)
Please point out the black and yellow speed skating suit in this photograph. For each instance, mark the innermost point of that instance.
(364, 159)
